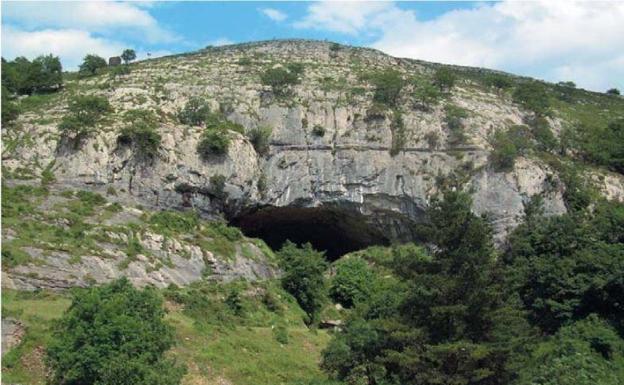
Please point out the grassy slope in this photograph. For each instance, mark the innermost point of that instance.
(214, 353)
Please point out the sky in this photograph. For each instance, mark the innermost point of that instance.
(552, 40)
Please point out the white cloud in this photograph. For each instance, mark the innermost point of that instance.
(104, 17)
(578, 41)
(70, 44)
(274, 14)
(344, 17)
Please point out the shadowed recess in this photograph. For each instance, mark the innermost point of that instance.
(333, 230)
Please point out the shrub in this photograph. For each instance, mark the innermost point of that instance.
(388, 85)
(433, 139)
(334, 47)
(141, 133)
(498, 81)
(426, 95)
(91, 64)
(173, 222)
(533, 97)
(318, 130)
(214, 141)
(303, 277)
(352, 283)
(453, 118)
(113, 334)
(507, 145)
(613, 91)
(196, 112)
(260, 139)
(546, 140)
(603, 146)
(217, 186)
(280, 78)
(85, 112)
(444, 78)
(10, 109)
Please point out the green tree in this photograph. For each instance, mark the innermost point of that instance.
(113, 334)
(569, 266)
(448, 325)
(91, 64)
(128, 55)
(303, 277)
(587, 352)
(352, 282)
(613, 91)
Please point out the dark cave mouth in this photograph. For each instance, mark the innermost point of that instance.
(333, 230)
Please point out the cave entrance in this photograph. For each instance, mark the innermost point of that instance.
(333, 230)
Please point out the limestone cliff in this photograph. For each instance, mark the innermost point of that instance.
(352, 179)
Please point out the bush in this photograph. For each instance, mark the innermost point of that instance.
(388, 85)
(498, 81)
(587, 352)
(85, 112)
(318, 130)
(280, 78)
(91, 64)
(196, 112)
(603, 146)
(507, 145)
(453, 118)
(217, 186)
(173, 222)
(214, 141)
(141, 133)
(613, 91)
(444, 78)
(426, 95)
(113, 334)
(303, 277)
(260, 139)
(533, 97)
(352, 283)
(119, 71)
(10, 109)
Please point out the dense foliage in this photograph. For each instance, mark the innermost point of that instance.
(128, 55)
(603, 146)
(24, 77)
(196, 112)
(113, 334)
(444, 78)
(303, 277)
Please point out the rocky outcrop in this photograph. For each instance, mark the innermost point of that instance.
(350, 167)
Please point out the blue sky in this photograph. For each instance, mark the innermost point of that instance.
(547, 39)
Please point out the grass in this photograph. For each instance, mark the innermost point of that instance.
(239, 351)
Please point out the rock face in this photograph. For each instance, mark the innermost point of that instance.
(349, 169)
